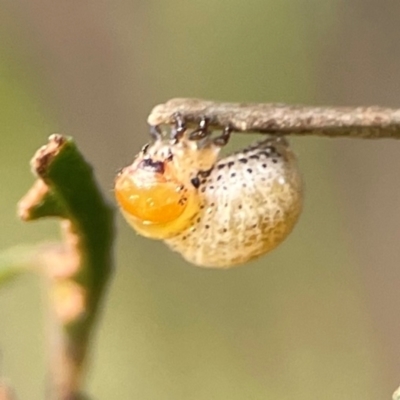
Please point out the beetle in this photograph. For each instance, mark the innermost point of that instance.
(215, 211)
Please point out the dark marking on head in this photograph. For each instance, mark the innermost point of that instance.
(150, 165)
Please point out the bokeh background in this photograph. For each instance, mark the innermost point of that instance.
(319, 318)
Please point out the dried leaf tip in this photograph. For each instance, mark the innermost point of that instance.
(43, 157)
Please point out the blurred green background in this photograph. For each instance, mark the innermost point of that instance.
(319, 318)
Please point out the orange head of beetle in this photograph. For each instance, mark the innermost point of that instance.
(155, 192)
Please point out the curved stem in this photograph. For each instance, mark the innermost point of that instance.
(79, 269)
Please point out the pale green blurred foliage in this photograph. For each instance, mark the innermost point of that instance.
(295, 324)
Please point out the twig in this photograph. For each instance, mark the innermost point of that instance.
(357, 122)
(77, 270)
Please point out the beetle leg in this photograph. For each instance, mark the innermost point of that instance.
(202, 130)
(179, 127)
(155, 132)
(223, 139)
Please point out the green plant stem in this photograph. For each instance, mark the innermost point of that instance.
(79, 270)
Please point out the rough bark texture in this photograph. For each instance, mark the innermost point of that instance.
(354, 122)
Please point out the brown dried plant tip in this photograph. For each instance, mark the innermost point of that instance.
(35, 196)
(354, 122)
(46, 154)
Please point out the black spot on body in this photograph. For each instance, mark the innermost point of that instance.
(249, 170)
(195, 182)
(243, 160)
(205, 174)
(231, 164)
(220, 166)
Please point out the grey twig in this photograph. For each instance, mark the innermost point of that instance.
(353, 122)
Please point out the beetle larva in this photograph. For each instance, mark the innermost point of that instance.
(216, 212)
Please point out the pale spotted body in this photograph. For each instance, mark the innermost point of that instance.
(249, 202)
(215, 212)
